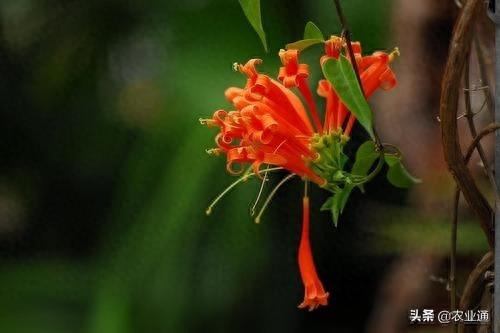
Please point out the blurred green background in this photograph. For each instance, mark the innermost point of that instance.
(104, 180)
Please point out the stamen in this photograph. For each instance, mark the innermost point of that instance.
(214, 151)
(240, 180)
(261, 189)
(205, 121)
(271, 195)
(264, 180)
(236, 67)
(394, 54)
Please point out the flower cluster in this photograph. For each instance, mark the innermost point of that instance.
(272, 125)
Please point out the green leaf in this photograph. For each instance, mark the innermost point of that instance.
(397, 174)
(251, 8)
(366, 155)
(341, 75)
(337, 202)
(312, 36)
(392, 160)
(312, 32)
(303, 44)
(328, 204)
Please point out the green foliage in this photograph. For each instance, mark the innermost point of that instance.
(341, 75)
(251, 8)
(366, 155)
(397, 174)
(330, 164)
(337, 202)
(303, 44)
(312, 31)
(312, 36)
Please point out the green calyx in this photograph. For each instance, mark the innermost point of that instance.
(330, 161)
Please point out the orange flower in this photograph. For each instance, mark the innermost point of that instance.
(314, 293)
(294, 74)
(270, 125)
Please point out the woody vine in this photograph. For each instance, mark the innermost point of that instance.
(456, 85)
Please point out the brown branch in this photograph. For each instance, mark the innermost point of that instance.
(487, 130)
(347, 35)
(472, 127)
(475, 285)
(453, 256)
(459, 48)
(484, 76)
(454, 225)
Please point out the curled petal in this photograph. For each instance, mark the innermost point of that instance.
(261, 85)
(324, 88)
(249, 110)
(236, 156)
(376, 74)
(382, 56)
(268, 122)
(256, 168)
(216, 120)
(376, 57)
(356, 47)
(261, 137)
(314, 296)
(333, 47)
(250, 70)
(388, 79)
(241, 102)
(268, 126)
(281, 100)
(223, 140)
(292, 71)
(290, 60)
(232, 92)
(219, 116)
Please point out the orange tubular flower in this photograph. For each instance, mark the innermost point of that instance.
(314, 293)
(294, 74)
(270, 125)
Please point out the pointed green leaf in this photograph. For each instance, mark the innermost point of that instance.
(251, 8)
(328, 204)
(400, 177)
(312, 32)
(366, 155)
(392, 160)
(303, 44)
(337, 202)
(341, 75)
(397, 174)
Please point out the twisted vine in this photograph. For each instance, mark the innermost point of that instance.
(456, 67)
